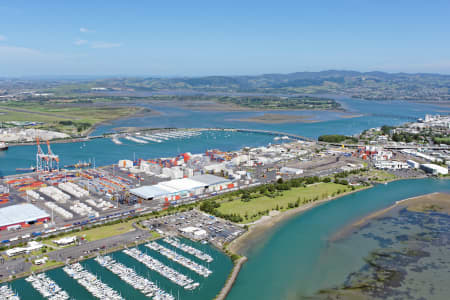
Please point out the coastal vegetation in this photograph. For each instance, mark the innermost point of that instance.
(249, 205)
(442, 140)
(337, 138)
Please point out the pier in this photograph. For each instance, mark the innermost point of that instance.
(188, 249)
(47, 287)
(90, 282)
(185, 262)
(6, 293)
(155, 265)
(148, 288)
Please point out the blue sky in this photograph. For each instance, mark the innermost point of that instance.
(196, 38)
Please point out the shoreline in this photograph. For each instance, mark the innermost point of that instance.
(94, 127)
(261, 226)
(404, 203)
(209, 105)
(231, 279)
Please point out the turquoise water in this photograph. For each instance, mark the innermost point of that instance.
(208, 289)
(297, 258)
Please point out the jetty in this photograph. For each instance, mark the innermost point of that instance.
(157, 266)
(188, 249)
(184, 261)
(91, 283)
(128, 275)
(6, 293)
(47, 287)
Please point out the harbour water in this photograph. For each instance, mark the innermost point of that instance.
(105, 152)
(296, 259)
(370, 114)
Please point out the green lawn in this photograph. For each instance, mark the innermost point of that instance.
(97, 233)
(264, 203)
(48, 264)
(52, 114)
(379, 175)
(107, 231)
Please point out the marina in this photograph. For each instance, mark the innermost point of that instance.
(144, 138)
(115, 140)
(155, 265)
(136, 140)
(89, 281)
(128, 275)
(47, 287)
(6, 293)
(185, 262)
(188, 249)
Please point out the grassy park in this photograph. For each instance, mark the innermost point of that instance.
(246, 206)
(96, 233)
(379, 175)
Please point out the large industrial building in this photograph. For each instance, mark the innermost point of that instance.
(434, 169)
(182, 188)
(21, 215)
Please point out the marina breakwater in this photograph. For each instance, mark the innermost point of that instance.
(231, 279)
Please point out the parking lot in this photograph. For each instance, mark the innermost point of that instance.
(196, 225)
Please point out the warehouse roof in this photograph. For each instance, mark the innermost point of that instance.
(184, 184)
(208, 179)
(149, 192)
(19, 213)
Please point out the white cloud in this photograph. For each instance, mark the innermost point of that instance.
(13, 51)
(2, 38)
(80, 42)
(104, 45)
(85, 30)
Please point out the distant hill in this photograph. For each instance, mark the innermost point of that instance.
(368, 85)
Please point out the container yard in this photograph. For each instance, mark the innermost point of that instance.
(83, 196)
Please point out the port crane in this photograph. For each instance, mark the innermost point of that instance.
(46, 162)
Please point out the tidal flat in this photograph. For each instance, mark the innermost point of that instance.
(411, 257)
